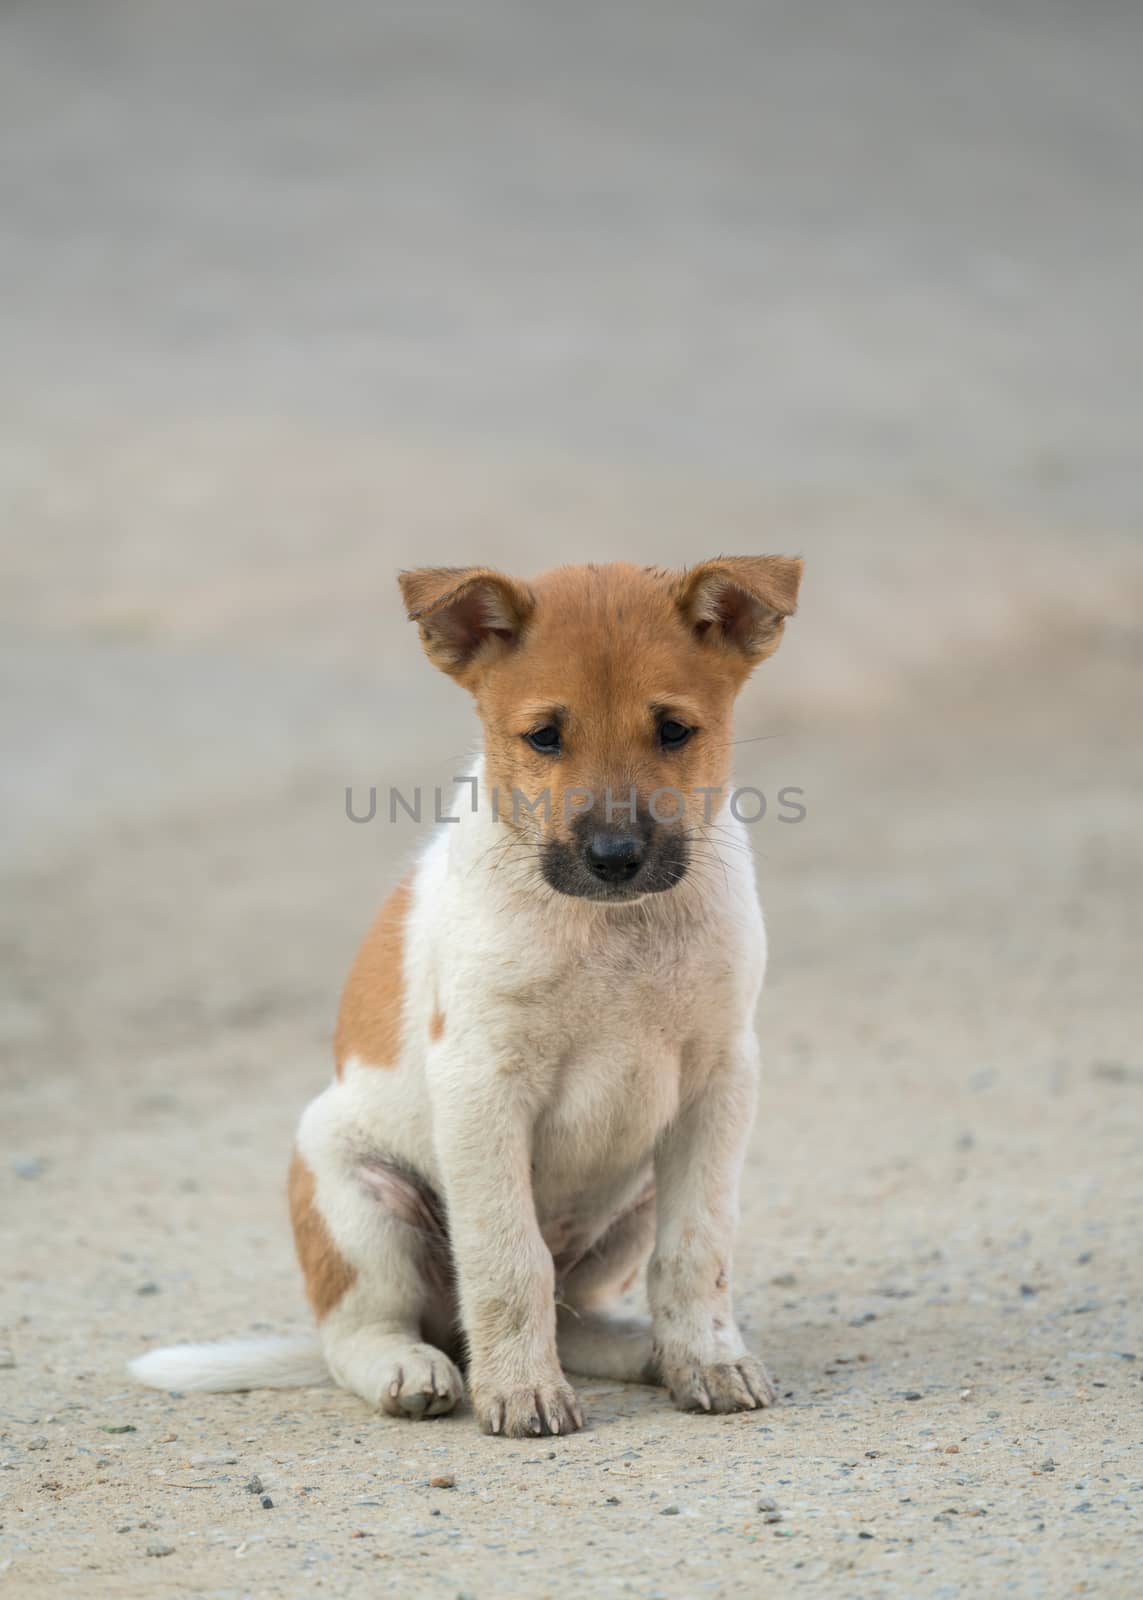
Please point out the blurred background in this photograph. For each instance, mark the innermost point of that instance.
(293, 296)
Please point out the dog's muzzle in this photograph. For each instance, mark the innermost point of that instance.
(600, 863)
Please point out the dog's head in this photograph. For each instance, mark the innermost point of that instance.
(606, 695)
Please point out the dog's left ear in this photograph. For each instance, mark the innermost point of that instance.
(467, 615)
(740, 603)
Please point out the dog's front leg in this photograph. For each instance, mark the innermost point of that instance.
(699, 1351)
(506, 1278)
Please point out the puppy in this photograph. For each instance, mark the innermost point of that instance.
(546, 1065)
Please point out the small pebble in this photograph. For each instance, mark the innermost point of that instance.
(254, 1485)
(38, 1441)
(864, 1534)
(7, 1359)
(267, 1503)
(913, 1394)
(119, 1427)
(147, 1288)
(767, 1504)
(771, 1516)
(669, 1511)
(160, 1549)
(29, 1167)
(1048, 1466)
(213, 1461)
(435, 1512)
(871, 1455)
(443, 1480)
(612, 1500)
(784, 1280)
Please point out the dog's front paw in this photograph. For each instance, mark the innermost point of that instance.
(521, 1411)
(739, 1385)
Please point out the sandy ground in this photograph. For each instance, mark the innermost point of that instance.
(290, 303)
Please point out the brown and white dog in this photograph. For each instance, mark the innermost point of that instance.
(546, 1065)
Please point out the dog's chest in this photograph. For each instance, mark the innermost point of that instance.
(609, 1024)
(629, 1033)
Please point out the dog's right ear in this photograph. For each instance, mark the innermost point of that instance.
(467, 616)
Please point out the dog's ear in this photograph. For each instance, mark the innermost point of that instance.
(466, 615)
(740, 603)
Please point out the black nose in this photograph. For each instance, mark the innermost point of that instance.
(615, 857)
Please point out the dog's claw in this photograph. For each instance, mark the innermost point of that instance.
(422, 1385)
(527, 1413)
(720, 1386)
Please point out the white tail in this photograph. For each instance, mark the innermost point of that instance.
(234, 1364)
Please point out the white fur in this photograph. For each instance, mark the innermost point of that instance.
(588, 1048)
(234, 1364)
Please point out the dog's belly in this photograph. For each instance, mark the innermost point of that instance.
(594, 1143)
(572, 1236)
(573, 1224)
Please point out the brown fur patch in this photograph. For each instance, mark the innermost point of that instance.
(436, 1024)
(605, 648)
(605, 653)
(327, 1274)
(369, 1022)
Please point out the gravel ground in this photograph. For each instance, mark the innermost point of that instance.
(224, 429)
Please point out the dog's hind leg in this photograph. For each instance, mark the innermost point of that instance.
(600, 1346)
(596, 1346)
(374, 1252)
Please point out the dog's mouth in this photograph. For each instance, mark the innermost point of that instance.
(574, 867)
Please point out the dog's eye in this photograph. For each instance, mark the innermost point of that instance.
(546, 739)
(673, 735)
